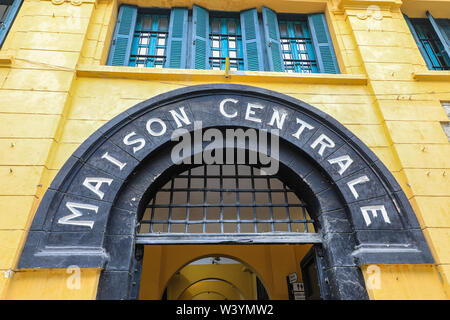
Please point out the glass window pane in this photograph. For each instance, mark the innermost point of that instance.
(283, 29)
(298, 30)
(163, 22)
(4, 11)
(146, 22)
(161, 41)
(231, 27)
(142, 50)
(215, 26)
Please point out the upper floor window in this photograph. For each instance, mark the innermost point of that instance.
(8, 11)
(296, 46)
(200, 39)
(150, 40)
(432, 37)
(225, 40)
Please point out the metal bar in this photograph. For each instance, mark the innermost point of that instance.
(214, 176)
(217, 205)
(147, 56)
(170, 209)
(238, 213)
(305, 39)
(225, 35)
(150, 31)
(254, 198)
(188, 199)
(231, 59)
(196, 238)
(288, 215)
(304, 216)
(227, 190)
(221, 198)
(204, 200)
(270, 207)
(229, 221)
(152, 215)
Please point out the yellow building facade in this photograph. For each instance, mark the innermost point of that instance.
(56, 89)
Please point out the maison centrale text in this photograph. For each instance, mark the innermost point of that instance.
(227, 108)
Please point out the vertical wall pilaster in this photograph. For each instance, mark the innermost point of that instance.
(45, 42)
(411, 113)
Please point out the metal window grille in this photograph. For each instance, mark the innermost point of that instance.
(225, 200)
(431, 43)
(150, 41)
(225, 41)
(296, 47)
(5, 5)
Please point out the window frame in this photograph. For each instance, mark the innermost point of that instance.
(311, 50)
(225, 17)
(5, 27)
(153, 45)
(435, 61)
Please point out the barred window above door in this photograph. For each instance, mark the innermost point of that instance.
(225, 199)
(202, 39)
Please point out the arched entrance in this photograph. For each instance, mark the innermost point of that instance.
(88, 216)
(215, 277)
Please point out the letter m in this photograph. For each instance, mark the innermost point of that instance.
(73, 207)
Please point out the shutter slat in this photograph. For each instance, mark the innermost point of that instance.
(251, 41)
(441, 32)
(444, 25)
(177, 40)
(200, 47)
(323, 46)
(119, 54)
(9, 20)
(272, 37)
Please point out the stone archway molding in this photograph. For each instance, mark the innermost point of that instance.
(91, 205)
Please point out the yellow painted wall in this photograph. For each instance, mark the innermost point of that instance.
(54, 284)
(55, 91)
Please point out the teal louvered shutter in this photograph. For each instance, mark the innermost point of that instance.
(6, 25)
(200, 44)
(251, 41)
(177, 40)
(323, 47)
(119, 54)
(272, 37)
(419, 43)
(442, 29)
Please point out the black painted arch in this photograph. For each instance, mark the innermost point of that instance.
(347, 241)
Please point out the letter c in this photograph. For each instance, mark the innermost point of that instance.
(222, 110)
